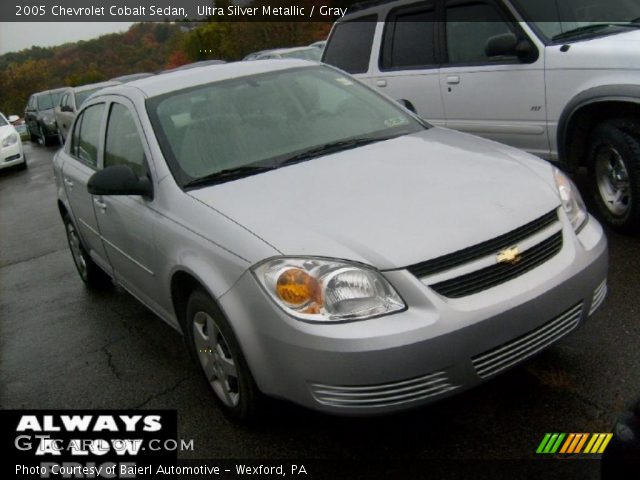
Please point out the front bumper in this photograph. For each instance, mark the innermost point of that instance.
(437, 347)
(12, 155)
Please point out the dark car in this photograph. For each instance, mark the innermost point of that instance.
(40, 117)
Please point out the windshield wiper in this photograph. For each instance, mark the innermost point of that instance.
(332, 147)
(590, 29)
(228, 175)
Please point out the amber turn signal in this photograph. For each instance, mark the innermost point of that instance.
(296, 287)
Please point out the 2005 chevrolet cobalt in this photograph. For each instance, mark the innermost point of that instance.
(314, 241)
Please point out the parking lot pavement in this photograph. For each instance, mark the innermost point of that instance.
(63, 347)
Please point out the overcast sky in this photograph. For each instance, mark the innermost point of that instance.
(20, 35)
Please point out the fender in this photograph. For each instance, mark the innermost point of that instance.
(603, 93)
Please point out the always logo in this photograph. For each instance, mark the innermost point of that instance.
(48, 441)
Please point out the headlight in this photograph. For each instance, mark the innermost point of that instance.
(322, 290)
(10, 140)
(571, 200)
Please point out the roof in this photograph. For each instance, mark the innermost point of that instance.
(180, 79)
(91, 86)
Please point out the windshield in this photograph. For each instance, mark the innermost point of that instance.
(83, 95)
(48, 100)
(556, 17)
(267, 119)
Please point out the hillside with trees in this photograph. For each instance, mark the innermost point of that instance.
(145, 47)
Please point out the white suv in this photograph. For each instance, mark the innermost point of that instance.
(541, 75)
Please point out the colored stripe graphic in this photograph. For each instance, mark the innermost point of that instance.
(574, 443)
(598, 442)
(550, 443)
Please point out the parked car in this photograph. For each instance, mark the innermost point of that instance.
(321, 44)
(70, 100)
(566, 88)
(40, 118)
(303, 53)
(253, 55)
(11, 152)
(131, 77)
(189, 66)
(315, 241)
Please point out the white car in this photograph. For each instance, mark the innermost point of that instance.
(11, 152)
(561, 83)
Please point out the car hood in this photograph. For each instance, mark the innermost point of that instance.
(617, 51)
(6, 130)
(392, 203)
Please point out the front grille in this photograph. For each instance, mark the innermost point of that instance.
(480, 250)
(383, 395)
(598, 297)
(493, 275)
(508, 354)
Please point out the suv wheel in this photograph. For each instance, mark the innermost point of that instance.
(213, 345)
(90, 273)
(614, 175)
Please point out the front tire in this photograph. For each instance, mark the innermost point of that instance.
(613, 162)
(213, 345)
(90, 273)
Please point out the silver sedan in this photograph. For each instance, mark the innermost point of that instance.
(315, 241)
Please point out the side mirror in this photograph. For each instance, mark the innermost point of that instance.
(508, 44)
(13, 118)
(119, 180)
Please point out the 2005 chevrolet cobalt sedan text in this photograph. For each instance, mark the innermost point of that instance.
(314, 241)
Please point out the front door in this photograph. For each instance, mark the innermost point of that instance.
(126, 222)
(500, 98)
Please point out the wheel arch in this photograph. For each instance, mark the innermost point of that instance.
(588, 109)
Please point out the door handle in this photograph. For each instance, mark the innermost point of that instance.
(99, 203)
(68, 182)
(453, 79)
(381, 83)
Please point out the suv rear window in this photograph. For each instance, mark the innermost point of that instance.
(349, 46)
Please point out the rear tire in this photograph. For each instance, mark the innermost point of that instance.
(613, 162)
(214, 347)
(90, 273)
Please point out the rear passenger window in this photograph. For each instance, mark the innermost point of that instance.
(86, 133)
(349, 46)
(123, 145)
(409, 39)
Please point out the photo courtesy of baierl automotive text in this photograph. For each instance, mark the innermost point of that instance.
(320, 239)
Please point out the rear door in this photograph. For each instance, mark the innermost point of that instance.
(501, 98)
(407, 60)
(80, 162)
(127, 222)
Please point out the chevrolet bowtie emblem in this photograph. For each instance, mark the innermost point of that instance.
(509, 255)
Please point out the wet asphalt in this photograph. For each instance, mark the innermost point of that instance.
(66, 348)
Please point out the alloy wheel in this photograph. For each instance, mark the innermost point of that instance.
(215, 358)
(612, 179)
